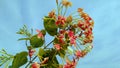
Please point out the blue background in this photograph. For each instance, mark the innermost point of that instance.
(106, 14)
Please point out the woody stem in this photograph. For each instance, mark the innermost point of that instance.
(48, 44)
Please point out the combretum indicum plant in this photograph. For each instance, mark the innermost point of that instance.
(72, 40)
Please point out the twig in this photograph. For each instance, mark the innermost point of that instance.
(48, 45)
(31, 61)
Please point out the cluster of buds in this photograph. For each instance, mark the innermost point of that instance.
(68, 35)
(79, 53)
(61, 21)
(52, 14)
(65, 37)
(72, 35)
(82, 53)
(86, 25)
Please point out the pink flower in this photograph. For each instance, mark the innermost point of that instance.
(78, 54)
(73, 41)
(31, 52)
(40, 35)
(74, 63)
(61, 37)
(57, 46)
(61, 20)
(72, 37)
(83, 25)
(35, 65)
(62, 31)
(88, 32)
(70, 64)
(70, 33)
(66, 66)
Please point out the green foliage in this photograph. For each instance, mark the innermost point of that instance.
(61, 53)
(23, 39)
(41, 52)
(52, 62)
(43, 32)
(4, 57)
(19, 59)
(36, 42)
(24, 31)
(68, 33)
(10, 67)
(50, 26)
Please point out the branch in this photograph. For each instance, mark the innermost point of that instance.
(31, 61)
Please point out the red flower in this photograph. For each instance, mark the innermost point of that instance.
(83, 53)
(60, 38)
(31, 52)
(57, 46)
(39, 35)
(70, 64)
(67, 66)
(35, 65)
(61, 20)
(70, 33)
(88, 32)
(78, 54)
(83, 25)
(73, 41)
(62, 31)
(72, 37)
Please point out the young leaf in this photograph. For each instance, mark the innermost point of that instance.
(36, 42)
(50, 26)
(41, 52)
(19, 59)
(23, 39)
(24, 31)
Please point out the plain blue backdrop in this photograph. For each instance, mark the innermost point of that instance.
(106, 14)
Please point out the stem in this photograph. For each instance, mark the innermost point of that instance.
(61, 9)
(26, 43)
(78, 45)
(48, 45)
(31, 61)
(58, 7)
(65, 11)
(54, 55)
(73, 13)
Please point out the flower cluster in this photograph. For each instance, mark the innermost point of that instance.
(86, 25)
(72, 38)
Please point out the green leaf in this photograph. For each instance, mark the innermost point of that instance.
(24, 31)
(52, 61)
(41, 53)
(23, 39)
(10, 67)
(50, 26)
(61, 53)
(36, 42)
(43, 32)
(19, 59)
